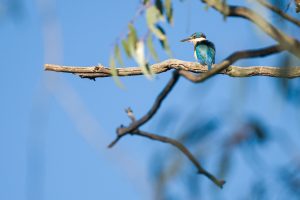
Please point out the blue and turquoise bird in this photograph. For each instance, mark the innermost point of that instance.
(204, 50)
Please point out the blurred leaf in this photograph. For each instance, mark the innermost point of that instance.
(153, 16)
(259, 190)
(132, 39)
(159, 6)
(259, 131)
(222, 5)
(157, 32)
(13, 9)
(114, 73)
(279, 4)
(164, 43)
(126, 48)
(198, 129)
(169, 11)
(140, 59)
(112, 64)
(166, 47)
(146, 1)
(118, 55)
(225, 6)
(151, 48)
(225, 163)
(167, 120)
(206, 7)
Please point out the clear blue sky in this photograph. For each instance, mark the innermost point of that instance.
(55, 127)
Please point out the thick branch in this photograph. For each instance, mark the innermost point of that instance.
(184, 150)
(279, 12)
(287, 42)
(186, 67)
(297, 4)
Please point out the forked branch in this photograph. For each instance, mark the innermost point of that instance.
(182, 68)
(133, 129)
(121, 131)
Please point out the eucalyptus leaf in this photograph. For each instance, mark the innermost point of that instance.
(169, 11)
(166, 46)
(164, 43)
(159, 6)
(151, 48)
(114, 72)
(118, 54)
(126, 48)
(132, 39)
(153, 16)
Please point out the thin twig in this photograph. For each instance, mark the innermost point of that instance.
(279, 12)
(184, 150)
(121, 131)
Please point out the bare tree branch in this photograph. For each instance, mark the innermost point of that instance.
(287, 42)
(171, 141)
(297, 4)
(188, 70)
(279, 12)
(184, 150)
(121, 131)
(186, 67)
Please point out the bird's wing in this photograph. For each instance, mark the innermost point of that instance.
(201, 53)
(205, 52)
(211, 49)
(211, 55)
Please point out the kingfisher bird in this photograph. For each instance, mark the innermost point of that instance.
(204, 50)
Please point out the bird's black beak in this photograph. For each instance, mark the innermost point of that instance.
(186, 39)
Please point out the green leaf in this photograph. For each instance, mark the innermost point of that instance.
(112, 64)
(169, 11)
(153, 16)
(118, 55)
(132, 39)
(151, 48)
(221, 5)
(126, 48)
(145, 2)
(157, 32)
(166, 47)
(114, 73)
(206, 7)
(159, 6)
(164, 43)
